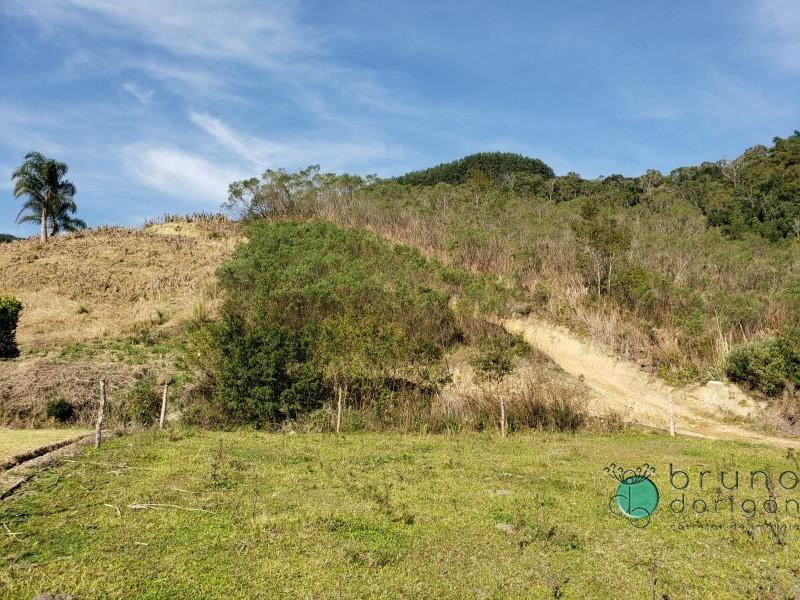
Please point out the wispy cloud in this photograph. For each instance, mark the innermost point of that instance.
(180, 174)
(142, 95)
(256, 32)
(262, 153)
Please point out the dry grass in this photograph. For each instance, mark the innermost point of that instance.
(111, 281)
(86, 292)
(27, 385)
(15, 441)
(537, 395)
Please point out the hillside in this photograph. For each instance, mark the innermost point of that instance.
(121, 305)
(677, 272)
(103, 303)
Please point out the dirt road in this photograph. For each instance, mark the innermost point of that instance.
(703, 411)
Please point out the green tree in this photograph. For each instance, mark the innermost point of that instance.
(50, 197)
(603, 238)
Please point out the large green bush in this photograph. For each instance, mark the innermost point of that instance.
(10, 309)
(312, 309)
(768, 365)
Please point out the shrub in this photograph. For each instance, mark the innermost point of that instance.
(61, 410)
(632, 286)
(142, 404)
(770, 365)
(10, 309)
(312, 308)
(532, 404)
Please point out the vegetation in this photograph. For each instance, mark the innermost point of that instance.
(139, 295)
(498, 167)
(6, 238)
(672, 271)
(248, 514)
(769, 365)
(141, 404)
(311, 310)
(60, 410)
(10, 309)
(50, 197)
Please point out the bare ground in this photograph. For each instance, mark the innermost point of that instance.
(619, 385)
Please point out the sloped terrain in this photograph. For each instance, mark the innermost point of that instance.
(111, 281)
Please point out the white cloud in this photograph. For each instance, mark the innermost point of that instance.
(256, 32)
(220, 37)
(262, 153)
(180, 174)
(142, 95)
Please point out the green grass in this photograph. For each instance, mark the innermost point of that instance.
(385, 516)
(17, 441)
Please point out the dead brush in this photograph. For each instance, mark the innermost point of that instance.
(541, 404)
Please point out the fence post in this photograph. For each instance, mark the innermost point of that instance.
(339, 410)
(98, 431)
(671, 415)
(502, 417)
(163, 407)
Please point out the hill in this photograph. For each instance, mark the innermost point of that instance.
(6, 237)
(104, 303)
(693, 275)
(306, 308)
(496, 165)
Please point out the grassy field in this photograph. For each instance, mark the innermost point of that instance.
(17, 441)
(244, 514)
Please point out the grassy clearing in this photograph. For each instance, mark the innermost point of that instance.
(386, 516)
(17, 441)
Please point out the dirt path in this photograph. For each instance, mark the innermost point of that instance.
(701, 411)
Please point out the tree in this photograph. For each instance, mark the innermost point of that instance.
(276, 193)
(62, 219)
(604, 240)
(50, 197)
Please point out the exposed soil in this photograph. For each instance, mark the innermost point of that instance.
(708, 411)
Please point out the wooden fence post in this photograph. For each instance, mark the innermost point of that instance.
(502, 417)
(671, 416)
(339, 410)
(98, 431)
(163, 407)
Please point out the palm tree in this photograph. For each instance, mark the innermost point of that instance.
(50, 196)
(61, 218)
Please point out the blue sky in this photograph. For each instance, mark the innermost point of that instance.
(157, 106)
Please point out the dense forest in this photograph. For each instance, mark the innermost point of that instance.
(695, 273)
(5, 238)
(494, 165)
